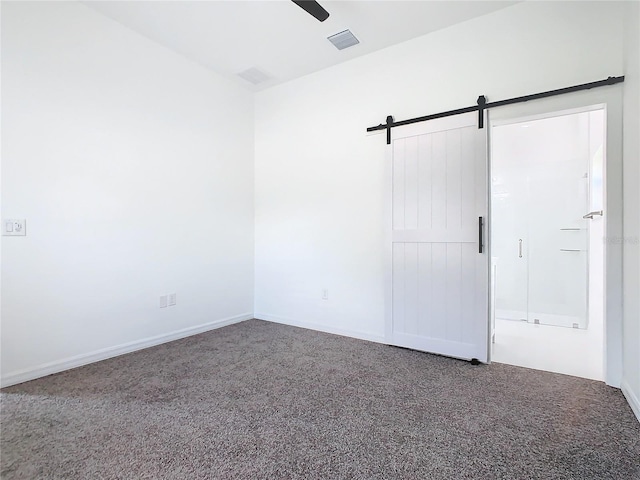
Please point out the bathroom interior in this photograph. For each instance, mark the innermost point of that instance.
(547, 241)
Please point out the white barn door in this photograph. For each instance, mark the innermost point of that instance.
(437, 277)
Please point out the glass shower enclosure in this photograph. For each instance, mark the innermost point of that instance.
(546, 184)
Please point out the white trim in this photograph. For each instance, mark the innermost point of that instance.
(371, 337)
(634, 401)
(109, 352)
(544, 116)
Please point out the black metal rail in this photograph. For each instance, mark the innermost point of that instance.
(482, 105)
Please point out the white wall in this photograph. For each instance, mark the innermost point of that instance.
(319, 177)
(134, 169)
(631, 237)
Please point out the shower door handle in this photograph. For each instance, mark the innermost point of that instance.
(590, 215)
(519, 248)
(479, 234)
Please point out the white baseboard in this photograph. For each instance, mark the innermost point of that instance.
(321, 328)
(109, 352)
(632, 398)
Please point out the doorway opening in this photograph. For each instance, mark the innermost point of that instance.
(547, 249)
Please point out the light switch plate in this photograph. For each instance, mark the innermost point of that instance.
(12, 227)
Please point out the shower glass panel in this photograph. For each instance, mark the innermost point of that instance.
(541, 177)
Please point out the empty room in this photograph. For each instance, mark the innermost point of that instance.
(335, 239)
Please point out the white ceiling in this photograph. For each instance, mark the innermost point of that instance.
(278, 37)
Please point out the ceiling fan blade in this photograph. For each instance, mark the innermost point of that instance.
(314, 8)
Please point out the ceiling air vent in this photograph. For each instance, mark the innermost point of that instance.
(343, 40)
(255, 76)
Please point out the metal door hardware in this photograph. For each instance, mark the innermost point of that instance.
(590, 215)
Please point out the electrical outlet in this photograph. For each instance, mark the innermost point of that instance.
(12, 227)
(163, 301)
(172, 299)
(325, 294)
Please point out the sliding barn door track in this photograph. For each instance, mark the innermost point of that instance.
(482, 105)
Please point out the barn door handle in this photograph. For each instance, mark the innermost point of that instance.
(479, 234)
